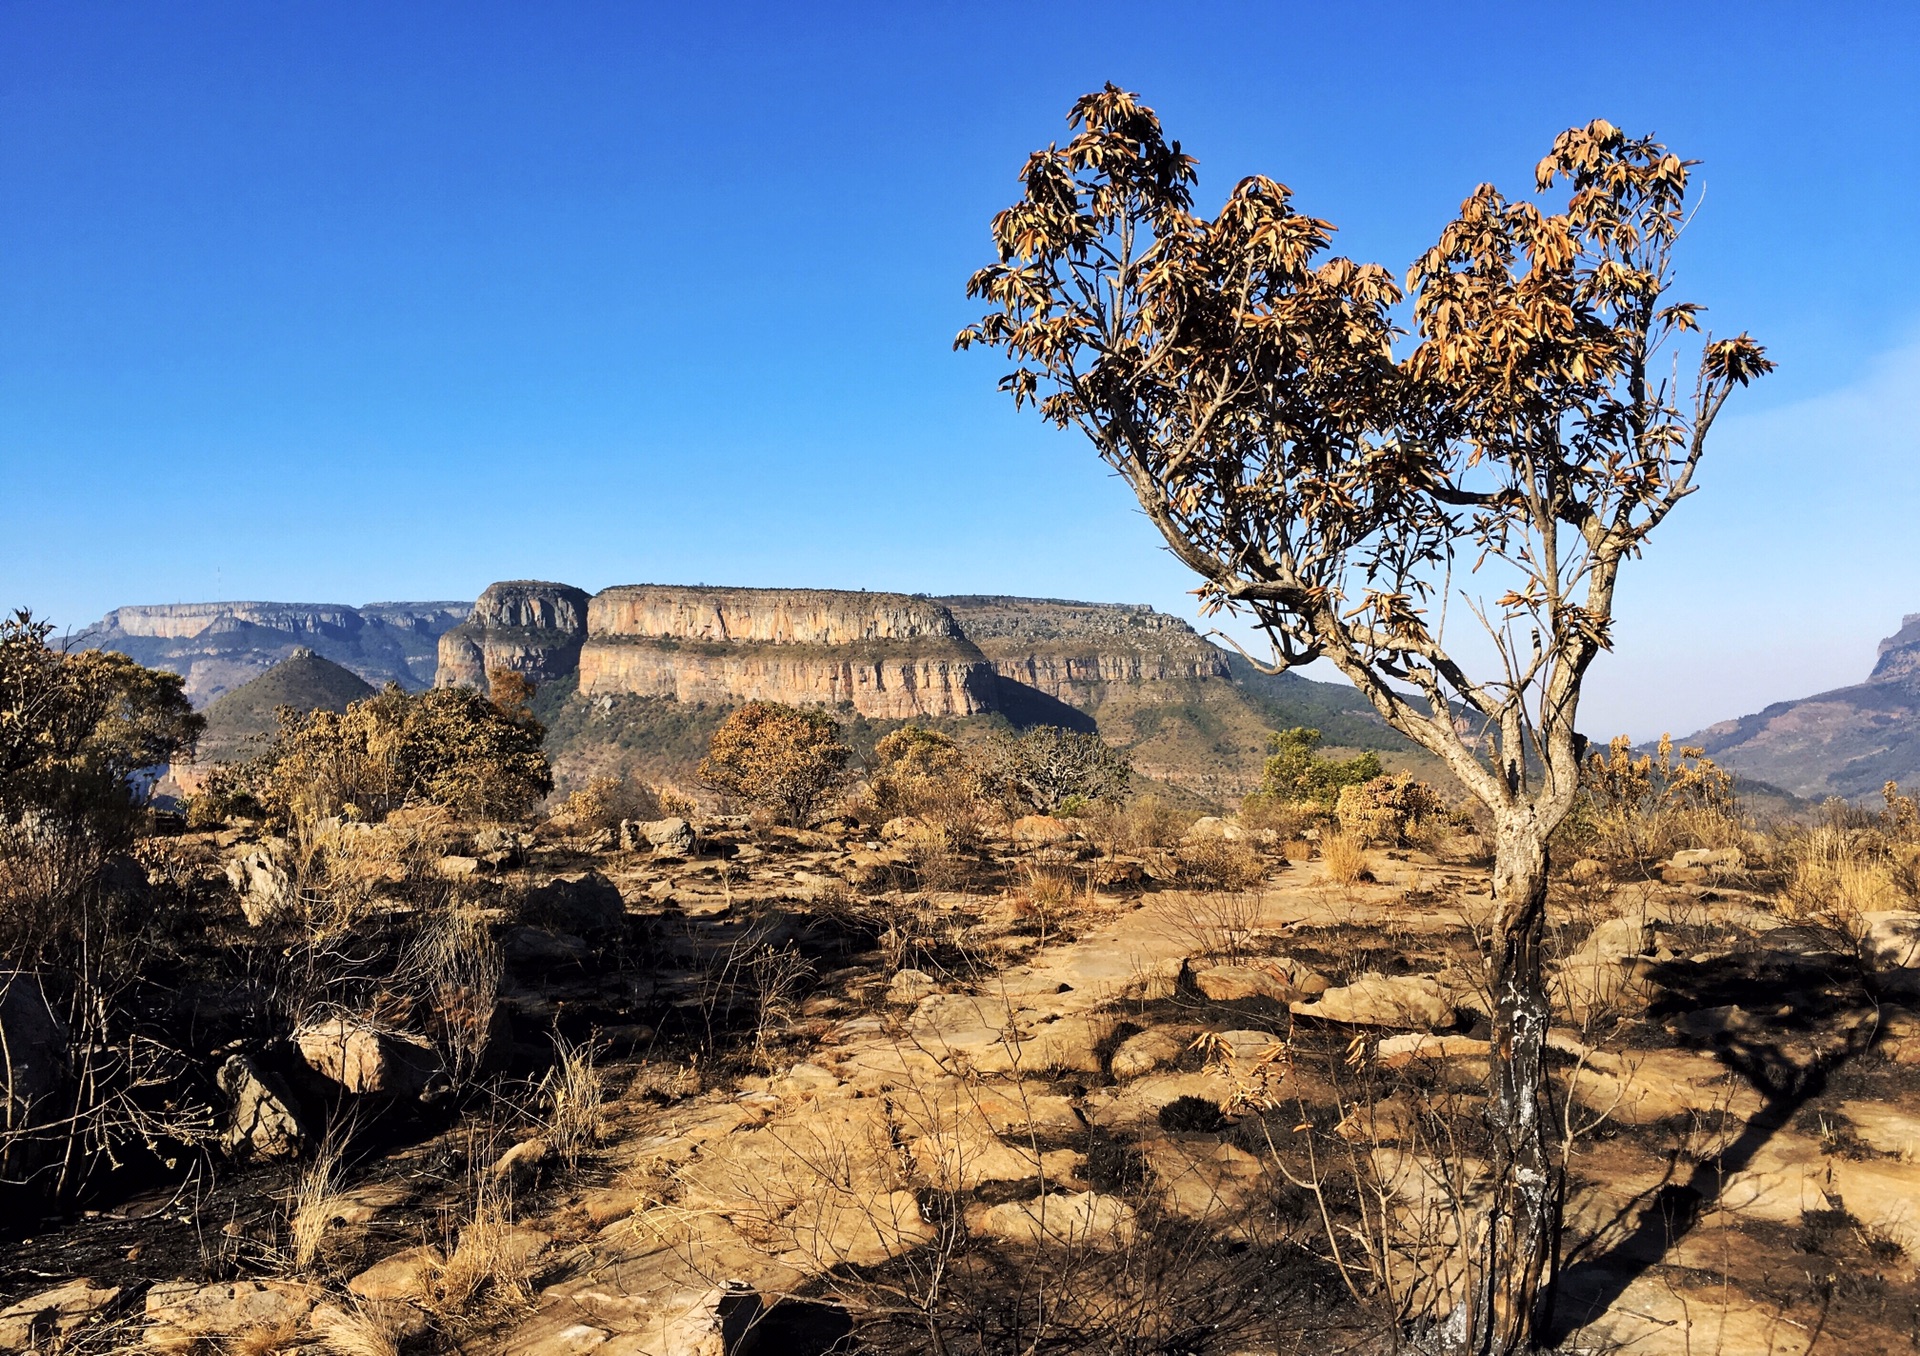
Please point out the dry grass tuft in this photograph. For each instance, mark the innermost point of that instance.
(361, 1328)
(1345, 855)
(574, 1091)
(313, 1205)
(487, 1262)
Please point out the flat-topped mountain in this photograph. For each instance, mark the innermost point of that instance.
(1847, 742)
(637, 676)
(217, 647)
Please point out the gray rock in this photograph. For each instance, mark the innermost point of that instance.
(908, 987)
(261, 881)
(33, 1058)
(500, 847)
(266, 1121)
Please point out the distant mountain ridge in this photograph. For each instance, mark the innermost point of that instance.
(218, 647)
(1848, 742)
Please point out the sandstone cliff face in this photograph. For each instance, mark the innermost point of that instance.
(529, 626)
(889, 655)
(218, 647)
(1067, 649)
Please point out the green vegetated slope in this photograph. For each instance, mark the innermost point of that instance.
(1200, 741)
(305, 682)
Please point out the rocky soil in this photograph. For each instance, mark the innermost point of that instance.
(862, 1087)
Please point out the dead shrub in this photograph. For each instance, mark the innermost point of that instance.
(487, 1263)
(1222, 863)
(1221, 925)
(457, 962)
(1145, 823)
(606, 800)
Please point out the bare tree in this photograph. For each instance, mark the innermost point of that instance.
(1247, 387)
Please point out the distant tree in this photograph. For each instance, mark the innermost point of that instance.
(1247, 388)
(511, 693)
(783, 759)
(1295, 774)
(1047, 768)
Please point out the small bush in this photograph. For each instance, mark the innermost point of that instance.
(448, 746)
(1144, 824)
(1642, 809)
(1224, 863)
(1296, 775)
(1387, 809)
(781, 759)
(605, 801)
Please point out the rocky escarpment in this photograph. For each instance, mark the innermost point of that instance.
(887, 654)
(218, 647)
(1848, 742)
(529, 626)
(1067, 649)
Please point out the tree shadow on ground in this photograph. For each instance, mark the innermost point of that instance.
(1785, 1019)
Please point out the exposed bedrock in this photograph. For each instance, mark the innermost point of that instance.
(775, 616)
(529, 626)
(1067, 649)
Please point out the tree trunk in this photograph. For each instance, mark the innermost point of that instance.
(1516, 1255)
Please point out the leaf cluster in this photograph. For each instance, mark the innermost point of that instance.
(1297, 774)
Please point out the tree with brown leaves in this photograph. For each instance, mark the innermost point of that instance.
(1246, 385)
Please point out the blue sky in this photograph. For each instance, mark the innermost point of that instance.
(348, 302)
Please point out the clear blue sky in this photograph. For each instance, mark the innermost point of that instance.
(343, 302)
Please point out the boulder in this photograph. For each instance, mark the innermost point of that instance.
(456, 868)
(33, 1321)
(1890, 940)
(584, 903)
(669, 837)
(1397, 1052)
(1236, 983)
(179, 1313)
(266, 1122)
(404, 1275)
(1588, 871)
(261, 882)
(1041, 831)
(500, 847)
(1211, 827)
(33, 1047)
(1410, 1001)
(1148, 1051)
(364, 1059)
(538, 949)
(1072, 1218)
(902, 827)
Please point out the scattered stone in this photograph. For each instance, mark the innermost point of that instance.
(908, 987)
(1041, 831)
(52, 1313)
(1075, 1219)
(1587, 871)
(1383, 1000)
(521, 1164)
(1148, 1051)
(265, 1121)
(261, 882)
(902, 827)
(1237, 983)
(1712, 859)
(363, 1059)
(457, 868)
(500, 847)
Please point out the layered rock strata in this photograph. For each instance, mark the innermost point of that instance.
(886, 654)
(529, 626)
(1066, 649)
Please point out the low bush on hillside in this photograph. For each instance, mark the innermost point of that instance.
(1296, 774)
(448, 746)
